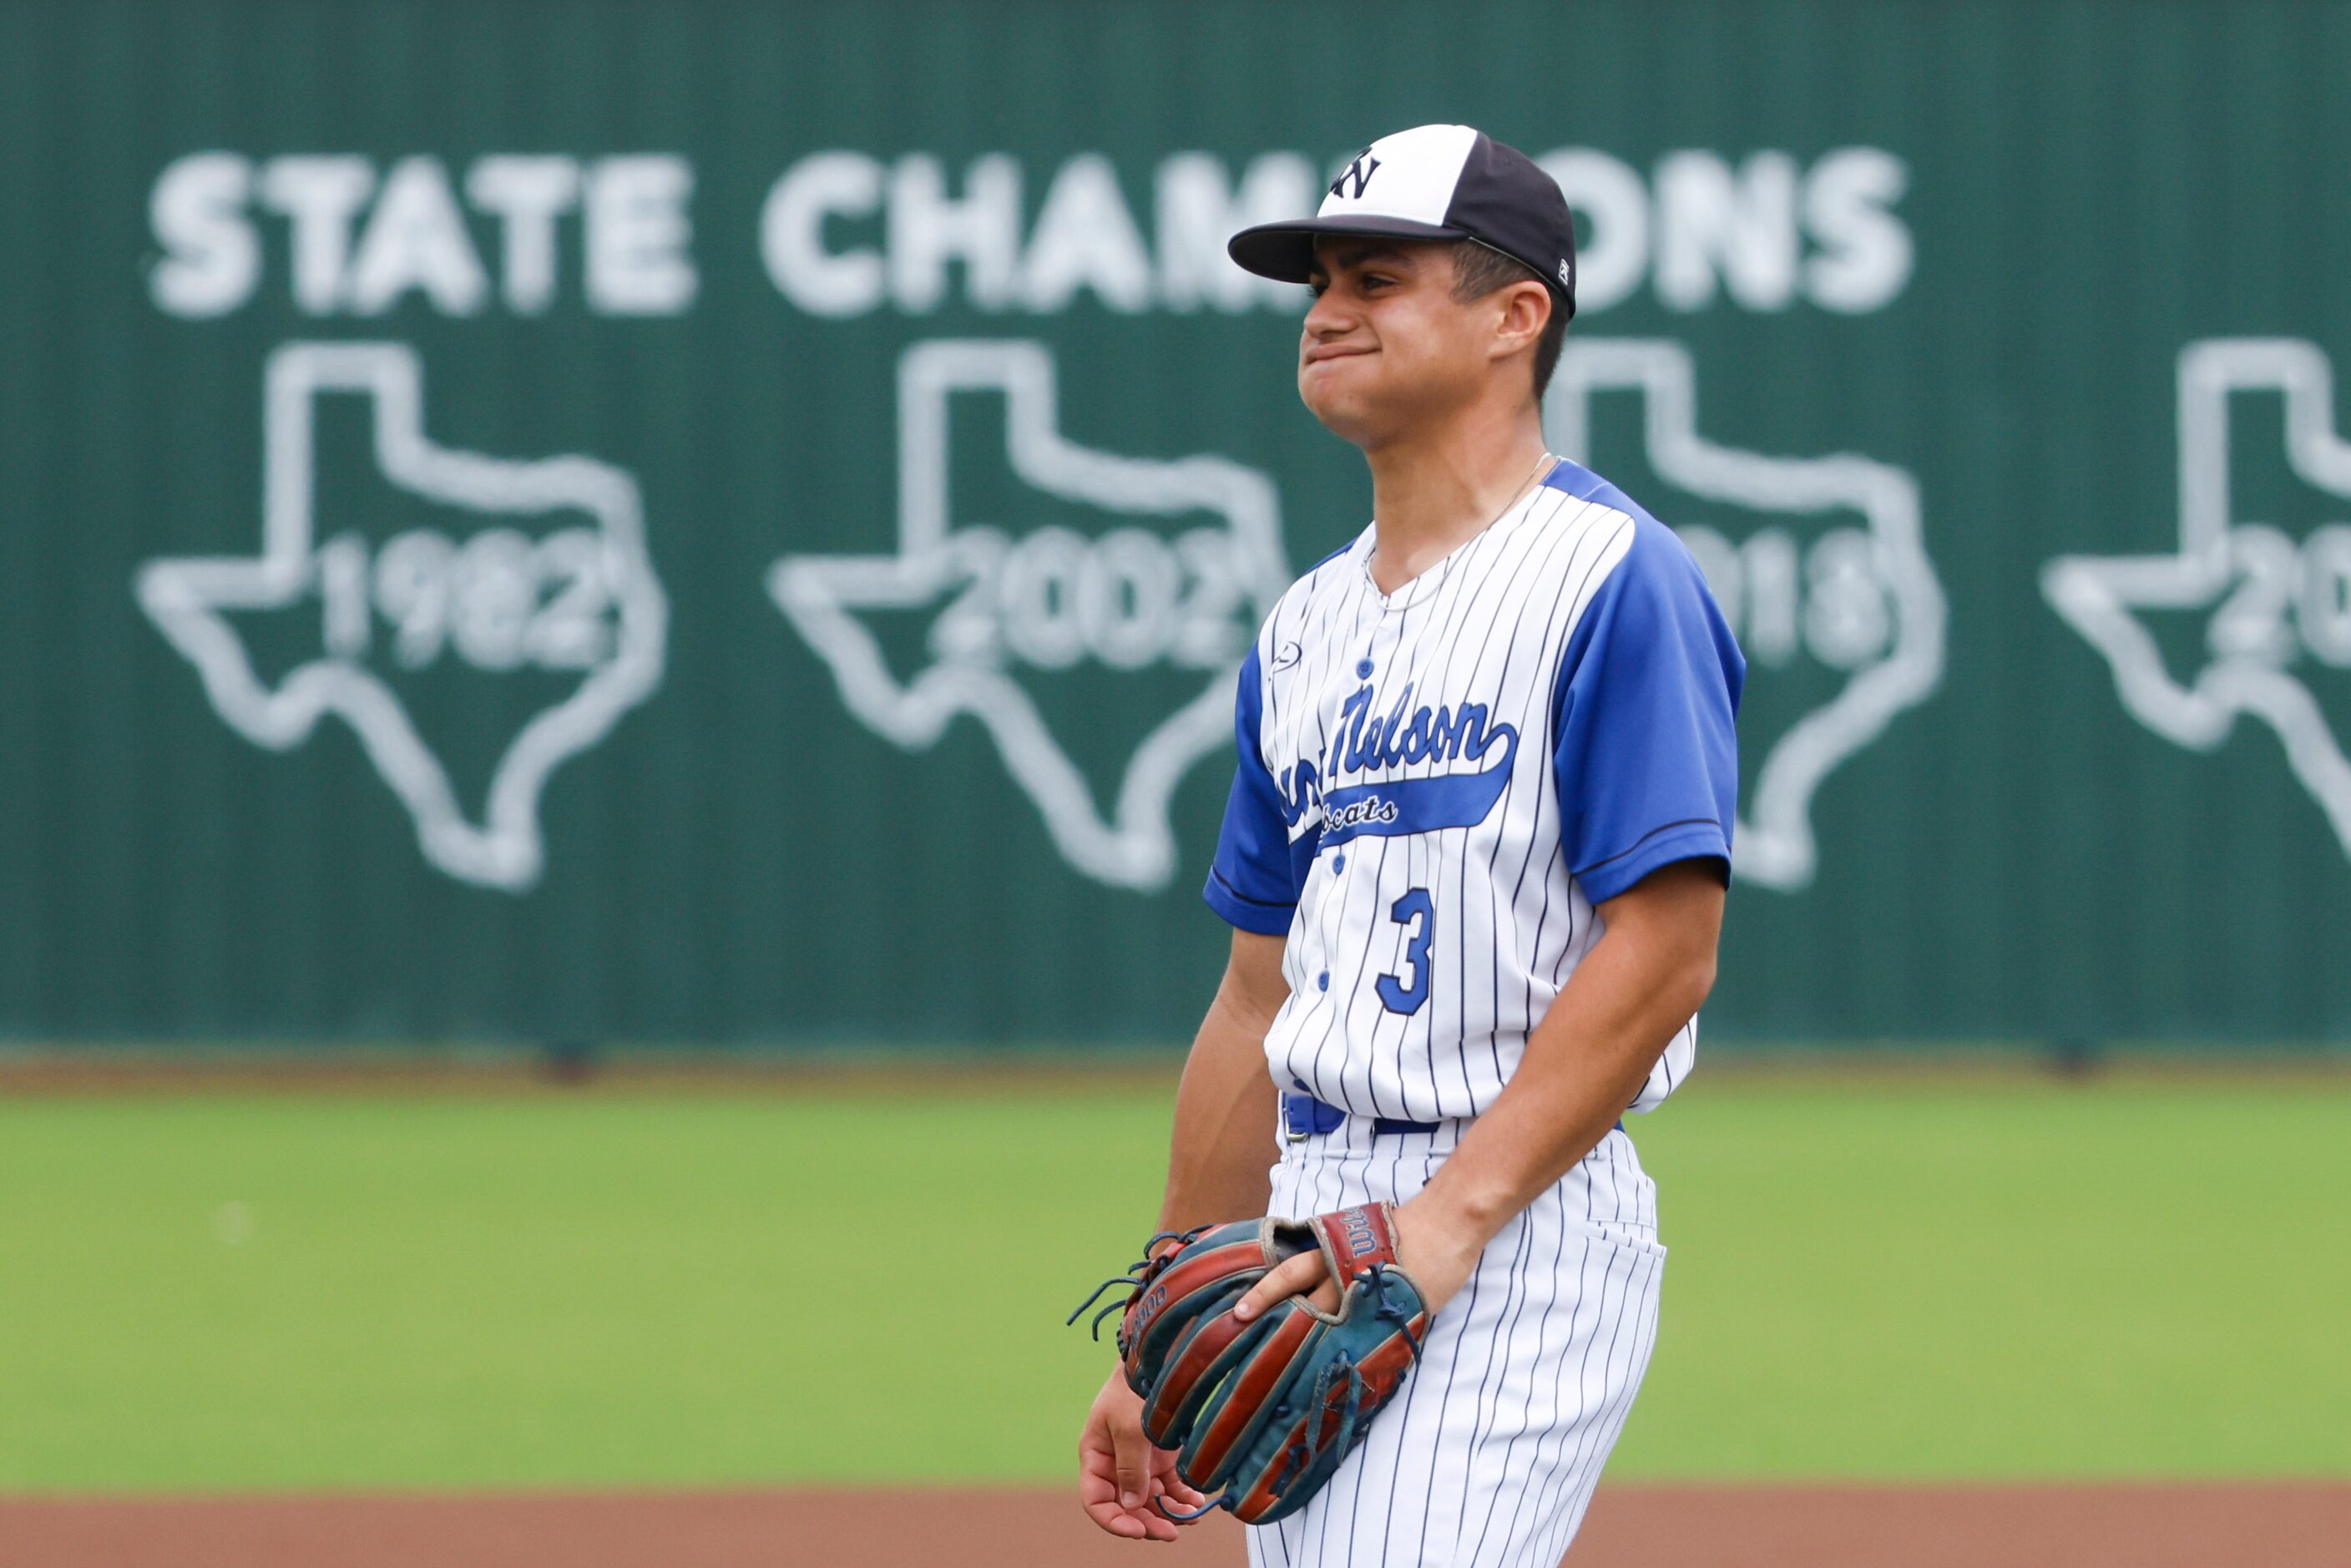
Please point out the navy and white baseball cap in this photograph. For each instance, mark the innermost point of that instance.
(1432, 181)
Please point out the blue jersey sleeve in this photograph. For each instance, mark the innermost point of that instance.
(1646, 753)
(1258, 873)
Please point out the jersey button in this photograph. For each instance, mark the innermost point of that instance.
(1338, 862)
(1363, 669)
(1322, 981)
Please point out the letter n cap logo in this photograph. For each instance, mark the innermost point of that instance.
(1357, 174)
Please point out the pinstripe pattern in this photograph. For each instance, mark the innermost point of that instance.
(1487, 626)
(1488, 1455)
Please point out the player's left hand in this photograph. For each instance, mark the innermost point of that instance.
(1438, 1255)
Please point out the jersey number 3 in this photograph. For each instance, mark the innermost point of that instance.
(1414, 911)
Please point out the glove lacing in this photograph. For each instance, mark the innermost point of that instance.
(1138, 1274)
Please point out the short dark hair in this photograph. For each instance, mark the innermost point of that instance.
(1478, 269)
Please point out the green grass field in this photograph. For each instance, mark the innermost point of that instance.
(1889, 1279)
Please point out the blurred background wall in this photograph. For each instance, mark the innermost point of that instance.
(734, 524)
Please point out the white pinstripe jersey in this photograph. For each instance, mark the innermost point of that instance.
(1437, 786)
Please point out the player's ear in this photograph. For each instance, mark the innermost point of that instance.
(1525, 312)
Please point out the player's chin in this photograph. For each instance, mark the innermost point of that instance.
(1343, 393)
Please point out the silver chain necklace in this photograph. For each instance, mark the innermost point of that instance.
(1543, 464)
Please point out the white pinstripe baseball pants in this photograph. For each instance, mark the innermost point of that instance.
(1488, 1456)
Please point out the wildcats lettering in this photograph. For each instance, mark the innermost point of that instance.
(1370, 812)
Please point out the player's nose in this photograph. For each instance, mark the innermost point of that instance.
(1329, 316)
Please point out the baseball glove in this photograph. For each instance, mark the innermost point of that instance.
(1261, 1412)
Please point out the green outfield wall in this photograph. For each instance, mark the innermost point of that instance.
(735, 523)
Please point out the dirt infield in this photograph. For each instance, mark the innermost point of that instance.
(2201, 1526)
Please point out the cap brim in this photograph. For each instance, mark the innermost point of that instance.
(1285, 251)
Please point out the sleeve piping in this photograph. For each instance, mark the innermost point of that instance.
(1251, 915)
(1701, 839)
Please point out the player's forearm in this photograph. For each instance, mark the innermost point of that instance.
(1588, 1057)
(1226, 1107)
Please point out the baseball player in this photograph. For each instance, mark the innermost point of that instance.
(1475, 859)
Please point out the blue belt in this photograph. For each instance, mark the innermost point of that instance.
(1303, 1117)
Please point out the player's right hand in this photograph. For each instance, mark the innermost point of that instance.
(1120, 1470)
